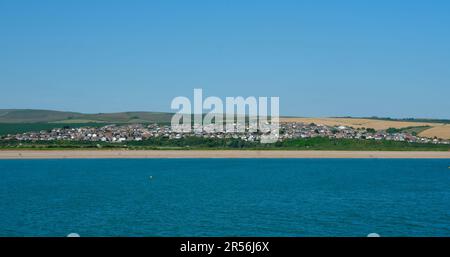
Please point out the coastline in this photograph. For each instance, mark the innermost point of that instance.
(239, 154)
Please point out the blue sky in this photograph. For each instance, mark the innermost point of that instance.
(322, 58)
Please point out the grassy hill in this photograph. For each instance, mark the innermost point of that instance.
(33, 116)
(47, 116)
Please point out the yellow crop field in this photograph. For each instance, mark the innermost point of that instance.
(442, 131)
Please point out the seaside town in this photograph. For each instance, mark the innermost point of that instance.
(140, 132)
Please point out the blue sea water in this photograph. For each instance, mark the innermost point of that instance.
(225, 197)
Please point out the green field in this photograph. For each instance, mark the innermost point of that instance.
(411, 130)
(319, 143)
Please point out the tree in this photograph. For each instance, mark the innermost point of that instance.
(392, 130)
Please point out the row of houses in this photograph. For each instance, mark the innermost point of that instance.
(139, 132)
(302, 130)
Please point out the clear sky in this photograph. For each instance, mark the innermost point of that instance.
(322, 58)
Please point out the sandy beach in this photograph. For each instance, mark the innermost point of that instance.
(100, 154)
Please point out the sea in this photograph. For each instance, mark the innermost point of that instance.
(225, 197)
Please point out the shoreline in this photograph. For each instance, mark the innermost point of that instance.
(237, 154)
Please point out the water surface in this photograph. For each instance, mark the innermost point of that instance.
(225, 197)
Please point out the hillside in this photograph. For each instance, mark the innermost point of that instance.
(47, 116)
